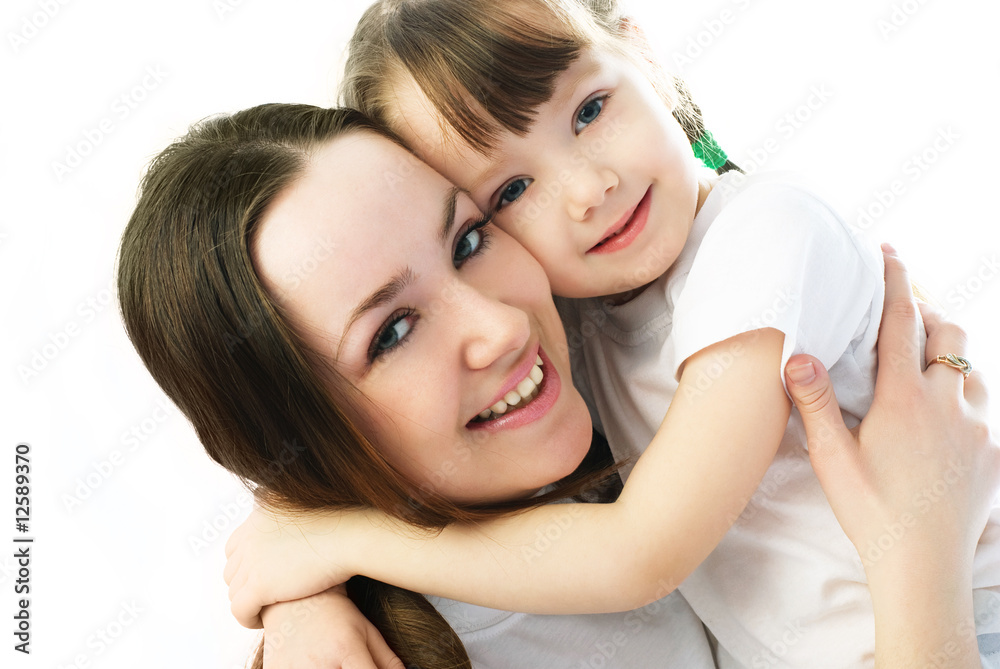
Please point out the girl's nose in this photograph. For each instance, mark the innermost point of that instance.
(587, 189)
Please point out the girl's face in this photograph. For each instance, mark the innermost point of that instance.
(389, 270)
(603, 188)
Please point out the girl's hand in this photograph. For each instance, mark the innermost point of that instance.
(324, 631)
(923, 468)
(271, 558)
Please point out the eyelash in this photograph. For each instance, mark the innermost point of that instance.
(485, 241)
(602, 99)
(500, 204)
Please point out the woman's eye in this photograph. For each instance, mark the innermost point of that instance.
(588, 113)
(473, 241)
(392, 334)
(467, 245)
(512, 192)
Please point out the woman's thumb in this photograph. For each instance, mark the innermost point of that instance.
(812, 392)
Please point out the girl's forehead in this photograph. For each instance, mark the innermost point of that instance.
(432, 136)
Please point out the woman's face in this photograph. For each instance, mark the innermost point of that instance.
(387, 269)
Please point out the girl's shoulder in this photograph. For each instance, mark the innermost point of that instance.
(783, 208)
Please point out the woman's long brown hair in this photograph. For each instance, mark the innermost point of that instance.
(223, 349)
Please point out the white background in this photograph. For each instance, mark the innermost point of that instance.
(890, 89)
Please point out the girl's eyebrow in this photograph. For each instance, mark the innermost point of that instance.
(487, 176)
(565, 96)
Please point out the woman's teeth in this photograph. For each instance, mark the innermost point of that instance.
(526, 391)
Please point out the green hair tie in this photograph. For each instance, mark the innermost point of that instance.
(708, 151)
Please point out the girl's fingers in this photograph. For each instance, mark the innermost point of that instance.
(237, 585)
(232, 542)
(232, 566)
(246, 610)
(899, 332)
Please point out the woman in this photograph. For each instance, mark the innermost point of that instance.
(328, 312)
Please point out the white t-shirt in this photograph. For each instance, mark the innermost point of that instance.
(665, 634)
(785, 587)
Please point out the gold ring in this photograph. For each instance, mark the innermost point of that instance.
(956, 361)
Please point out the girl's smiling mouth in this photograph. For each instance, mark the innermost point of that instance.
(625, 232)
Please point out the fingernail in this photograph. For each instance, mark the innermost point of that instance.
(801, 375)
(887, 248)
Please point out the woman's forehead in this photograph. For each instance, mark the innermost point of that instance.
(363, 208)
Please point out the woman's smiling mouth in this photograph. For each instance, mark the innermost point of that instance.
(531, 399)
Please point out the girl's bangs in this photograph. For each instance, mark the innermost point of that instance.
(485, 70)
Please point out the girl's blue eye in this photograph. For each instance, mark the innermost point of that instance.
(392, 334)
(513, 191)
(588, 113)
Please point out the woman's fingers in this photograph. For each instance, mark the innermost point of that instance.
(977, 395)
(381, 653)
(899, 333)
(943, 337)
(832, 447)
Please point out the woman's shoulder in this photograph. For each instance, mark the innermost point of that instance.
(667, 630)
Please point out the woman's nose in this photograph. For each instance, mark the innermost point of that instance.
(587, 189)
(491, 328)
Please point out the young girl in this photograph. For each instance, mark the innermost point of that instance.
(549, 117)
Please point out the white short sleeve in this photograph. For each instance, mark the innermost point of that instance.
(777, 256)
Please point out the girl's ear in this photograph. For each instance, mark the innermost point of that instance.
(635, 37)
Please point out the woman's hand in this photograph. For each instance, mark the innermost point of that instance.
(324, 631)
(923, 462)
(913, 485)
(273, 558)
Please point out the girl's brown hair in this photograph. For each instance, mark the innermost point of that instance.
(223, 349)
(486, 66)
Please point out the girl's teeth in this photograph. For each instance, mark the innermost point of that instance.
(538, 361)
(499, 408)
(512, 398)
(526, 386)
(485, 413)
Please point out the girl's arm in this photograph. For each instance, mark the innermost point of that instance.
(924, 428)
(690, 485)
(712, 449)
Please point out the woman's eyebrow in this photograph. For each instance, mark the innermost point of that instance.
(450, 205)
(388, 292)
(394, 286)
